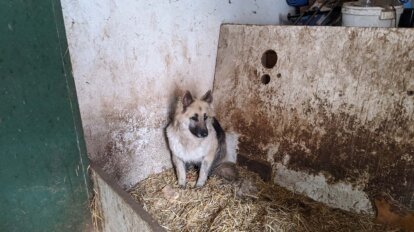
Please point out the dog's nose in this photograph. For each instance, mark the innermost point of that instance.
(204, 134)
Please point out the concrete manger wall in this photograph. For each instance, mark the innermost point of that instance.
(334, 118)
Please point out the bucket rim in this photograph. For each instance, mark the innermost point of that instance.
(354, 8)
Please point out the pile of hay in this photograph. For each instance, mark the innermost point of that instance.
(246, 205)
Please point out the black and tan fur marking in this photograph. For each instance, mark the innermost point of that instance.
(196, 137)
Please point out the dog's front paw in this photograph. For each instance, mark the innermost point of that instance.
(198, 185)
(182, 183)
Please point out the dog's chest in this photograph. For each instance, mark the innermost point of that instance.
(190, 150)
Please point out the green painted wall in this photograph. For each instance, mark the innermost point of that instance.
(43, 162)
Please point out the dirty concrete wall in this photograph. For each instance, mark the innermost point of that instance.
(336, 117)
(129, 60)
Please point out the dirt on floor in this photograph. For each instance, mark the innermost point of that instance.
(248, 204)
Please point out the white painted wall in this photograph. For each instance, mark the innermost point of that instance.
(130, 58)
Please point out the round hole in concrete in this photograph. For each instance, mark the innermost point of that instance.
(265, 79)
(269, 59)
(279, 75)
(410, 92)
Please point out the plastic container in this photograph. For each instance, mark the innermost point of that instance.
(297, 3)
(356, 15)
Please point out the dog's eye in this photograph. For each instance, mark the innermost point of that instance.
(195, 118)
(205, 117)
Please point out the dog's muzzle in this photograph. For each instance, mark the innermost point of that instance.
(202, 134)
(199, 133)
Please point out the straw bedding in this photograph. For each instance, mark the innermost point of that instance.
(248, 204)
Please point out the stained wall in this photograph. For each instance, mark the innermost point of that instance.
(336, 119)
(131, 58)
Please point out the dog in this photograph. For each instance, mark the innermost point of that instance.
(195, 137)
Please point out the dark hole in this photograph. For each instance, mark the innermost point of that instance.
(265, 79)
(279, 75)
(410, 92)
(269, 59)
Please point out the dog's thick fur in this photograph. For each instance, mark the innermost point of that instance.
(196, 137)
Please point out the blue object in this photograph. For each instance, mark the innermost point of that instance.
(406, 3)
(297, 3)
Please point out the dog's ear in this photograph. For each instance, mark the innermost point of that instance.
(207, 97)
(187, 99)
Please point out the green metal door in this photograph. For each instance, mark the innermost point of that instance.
(43, 162)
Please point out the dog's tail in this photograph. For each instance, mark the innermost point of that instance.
(226, 170)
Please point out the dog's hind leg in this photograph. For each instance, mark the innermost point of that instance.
(226, 170)
(180, 170)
